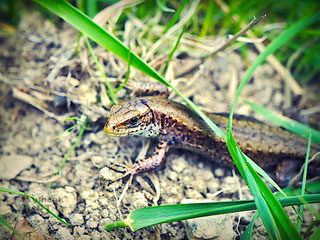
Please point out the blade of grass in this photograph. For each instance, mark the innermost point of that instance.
(272, 47)
(144, 217)
(311, 187)
(5, 223)
(82, 129)
(127, 75)
(72, 127)
(207, 19)
(309, 229)
(35, 200)
(270, 180)
(67, 130)
(284, 226)
(316, 234)
(76, 50)
(174, 48)
(304, 181)
(287, 123)
(252, 181)
(275, 220)
(247, 234)
(272, 215)
(74, 119)
(259, 170)
(81, 4)
(110, 89)
(92, 7)
(176, 16)
(163, 6)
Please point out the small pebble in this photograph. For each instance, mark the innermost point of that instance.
(219, 172)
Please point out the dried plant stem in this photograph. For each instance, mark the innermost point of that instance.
(243, 31)
(271, 59)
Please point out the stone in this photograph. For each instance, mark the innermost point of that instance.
(63, 233)
(65, 199)
(210, 227)
(12, 165)
(219, 172)
(76, 219)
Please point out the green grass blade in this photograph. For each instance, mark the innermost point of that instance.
(92, 7)
(311, 187)
(81, 132)
(174, 48)
(5, 223)
(316, 234)
(67, 130)
(73, 118)
(176, 16)
(284, 37)
(163, 7)
(275, 220)
(259, 193)
(247, 234)
(73, 126)
(127, 75)
(118, 224)
(268, 207)
(283, 224)
(287, 123)
(259, 170)
(208, 18)
(304, 182)
(269, 179)
(110, 90)
(144, 217)
(34, 199)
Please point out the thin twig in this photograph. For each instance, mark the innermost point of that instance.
(296, 178)
(34, 102)
(128, 184)
(243, 31)
(285, 74)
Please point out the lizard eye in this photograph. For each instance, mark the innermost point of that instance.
(133, 120)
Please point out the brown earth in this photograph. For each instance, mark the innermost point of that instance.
(42, 83)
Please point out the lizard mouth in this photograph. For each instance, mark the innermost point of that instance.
(112, 132)
(109, 131)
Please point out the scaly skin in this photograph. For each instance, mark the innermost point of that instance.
(178, 126)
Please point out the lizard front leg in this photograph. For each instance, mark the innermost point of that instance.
(150, 163)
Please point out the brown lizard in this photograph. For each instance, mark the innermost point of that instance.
(177, 125)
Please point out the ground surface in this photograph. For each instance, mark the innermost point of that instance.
(42, 83)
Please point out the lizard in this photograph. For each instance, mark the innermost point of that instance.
(176, 125)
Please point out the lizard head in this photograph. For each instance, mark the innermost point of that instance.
(132, 117)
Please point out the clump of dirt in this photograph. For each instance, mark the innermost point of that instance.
(42, 83)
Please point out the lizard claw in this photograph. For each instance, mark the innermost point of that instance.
(127, 171)
(119, 167)
(119, 178)
(146, 164)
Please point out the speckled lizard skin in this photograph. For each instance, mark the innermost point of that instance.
(178, 126)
